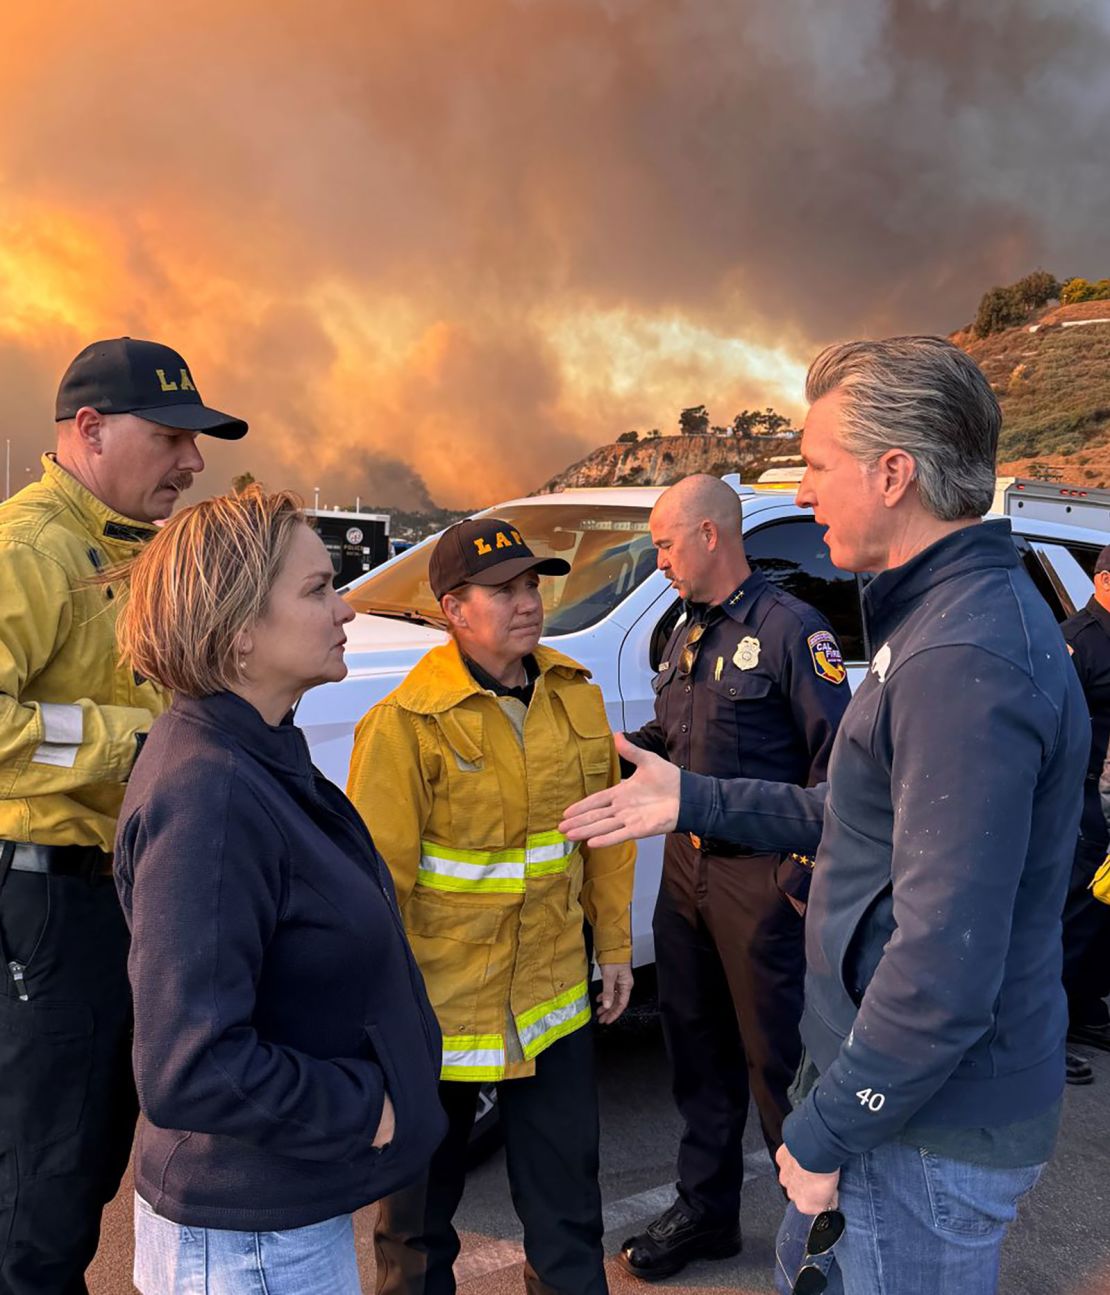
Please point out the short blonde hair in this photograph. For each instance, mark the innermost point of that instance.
(204, 578)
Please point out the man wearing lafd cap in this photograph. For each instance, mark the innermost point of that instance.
(459, 774)
(71, 723)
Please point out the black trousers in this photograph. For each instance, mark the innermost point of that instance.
(730, 960)
(67, 1098)
(1086, 941)
(550, 1122)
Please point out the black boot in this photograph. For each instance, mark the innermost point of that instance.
(1093, 1036)
(1078, 1069)
(672, 1240)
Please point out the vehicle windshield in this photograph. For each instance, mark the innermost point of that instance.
(608, 547)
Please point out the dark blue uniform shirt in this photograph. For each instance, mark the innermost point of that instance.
(1087, 634)
(763, 695)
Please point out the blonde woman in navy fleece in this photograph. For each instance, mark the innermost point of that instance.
(286, 1056)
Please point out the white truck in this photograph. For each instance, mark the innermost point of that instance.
(615, 610)
(1053, 501)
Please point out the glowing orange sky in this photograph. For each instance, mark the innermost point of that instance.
(446, 249)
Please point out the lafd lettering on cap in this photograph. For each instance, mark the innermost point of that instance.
(501, 541)
(184, 383)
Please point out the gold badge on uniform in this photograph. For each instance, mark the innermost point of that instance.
(827, 660)
(746, 656)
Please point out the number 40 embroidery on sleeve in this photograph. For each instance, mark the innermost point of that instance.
(872, 1100)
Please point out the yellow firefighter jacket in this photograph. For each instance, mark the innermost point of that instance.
(463, 807)
(68, 712)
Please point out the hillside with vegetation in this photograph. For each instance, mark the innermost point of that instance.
(1045, 348)
(1044, 345)
(751, 442)
(670, 458)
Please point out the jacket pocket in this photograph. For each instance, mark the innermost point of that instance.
(585, 711)
(455, 943)
(734, 704)
(474, 797)
(395, 1089)
(740, 685)
(662, 679)
(413, 1091)
(566, 922)
(38, 1042)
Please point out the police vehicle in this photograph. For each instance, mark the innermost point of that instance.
(615, 611)
(356, 541)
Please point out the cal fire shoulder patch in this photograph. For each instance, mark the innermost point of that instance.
(827, 660)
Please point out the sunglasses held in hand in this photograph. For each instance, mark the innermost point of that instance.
(825, 1231)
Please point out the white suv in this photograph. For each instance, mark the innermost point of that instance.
(615, 611)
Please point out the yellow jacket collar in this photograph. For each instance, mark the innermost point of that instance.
(104, 522)
(440, 679)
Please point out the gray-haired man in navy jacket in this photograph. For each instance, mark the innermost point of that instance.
(935, 1018)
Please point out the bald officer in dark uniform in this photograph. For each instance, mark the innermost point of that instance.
(754, 686)
(1086, 920)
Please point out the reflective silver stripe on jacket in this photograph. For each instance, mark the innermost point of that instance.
(63, 731)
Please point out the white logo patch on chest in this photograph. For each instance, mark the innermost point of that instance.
(881, 662)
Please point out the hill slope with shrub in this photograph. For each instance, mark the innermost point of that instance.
(1044, 346)
(1052, 379)
(667, 459)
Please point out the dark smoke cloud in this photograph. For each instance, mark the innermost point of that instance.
(376, 481)
(376, 227)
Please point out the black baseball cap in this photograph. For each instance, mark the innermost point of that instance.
(126, 376)
(484, 551)
(1102, 562)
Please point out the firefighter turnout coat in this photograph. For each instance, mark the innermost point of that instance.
(463, 806)
(69, 712)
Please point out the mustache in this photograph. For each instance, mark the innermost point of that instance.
(181, 481)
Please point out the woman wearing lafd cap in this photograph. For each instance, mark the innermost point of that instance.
(463, 771)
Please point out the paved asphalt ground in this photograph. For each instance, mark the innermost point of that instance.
(1060, 1244)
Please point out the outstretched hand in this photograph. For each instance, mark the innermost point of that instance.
(644, 805)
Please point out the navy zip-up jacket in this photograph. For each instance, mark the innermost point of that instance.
(946, 830)
(276, 999)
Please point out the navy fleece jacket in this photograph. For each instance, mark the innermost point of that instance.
(946, 830)
(276, 999)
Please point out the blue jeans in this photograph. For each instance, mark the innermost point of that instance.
(916, 1224)
(175, 1260)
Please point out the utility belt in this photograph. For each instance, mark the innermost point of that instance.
(86, 861)
(723, 849)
